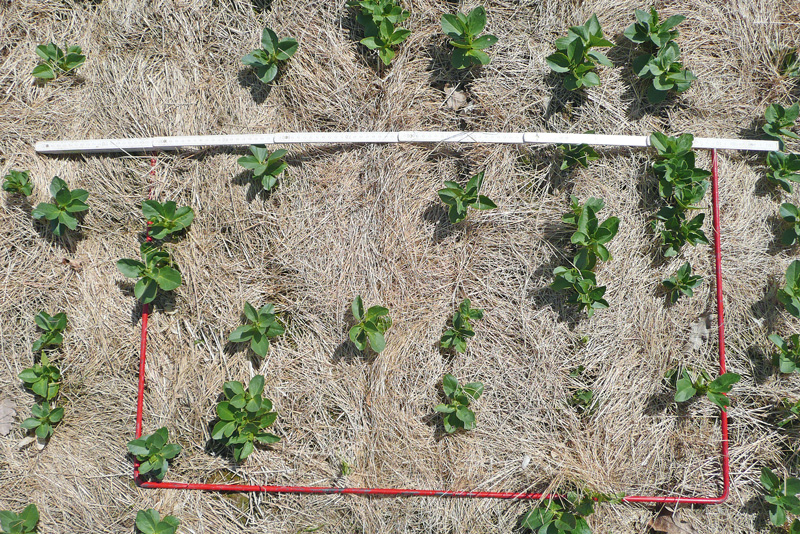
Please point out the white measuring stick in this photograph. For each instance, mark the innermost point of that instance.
(287, 138)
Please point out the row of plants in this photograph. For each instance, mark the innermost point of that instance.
(25, 522)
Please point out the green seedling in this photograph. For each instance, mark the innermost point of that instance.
(687, 386)
(567, 515)
(577, 155)
(43, 420)
(43, 379)
(243, 417)
(790, 65)
(22, 523)
(789, 295)
(790, 412)
(676, 230)
(787, 359)
(165, 219)
(18, 182)
(784, 169)
(647, 29)
(156, 271)
(265, 60)
(576, 58)
(56, 62)
(582, 287)
(380, 18)
(267, 166)
(683, 282)
(457, 336)
(664, 71)
(464, 30)
(581, 400)
(459, 199)
(150, 522)
(153, 453)
(679, 180)
(780, 121)
(371, 327)
(53, 326)
(387, 37)
(61, 214)
(263, 325)
(457, 413)
(591, 235)
(671, 147)
(781, 496)
(595, 204)
(791, 214)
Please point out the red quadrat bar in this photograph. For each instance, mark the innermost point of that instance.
(400, 492)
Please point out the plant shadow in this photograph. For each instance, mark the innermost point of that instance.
(561, 100)
(259, 91)
(767, 309)
(436, 214)
(761, 363)
(68, 240)
(164, 301)
(255, 188)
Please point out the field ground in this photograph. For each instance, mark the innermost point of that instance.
(366, 220)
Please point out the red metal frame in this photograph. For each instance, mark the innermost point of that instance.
(447, 493)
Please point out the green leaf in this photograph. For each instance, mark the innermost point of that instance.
(358, 308)
(376, 340)
(286, 48)
(43, 71)
(46, 211)
(147, 520)
(476, 20)
(449, 385)
(451, 26)
(130, 268)
(724, 382)
(260, 344)
(168, 278)
(484, 41)
(684, 390)
(256, 385)
(145, 290)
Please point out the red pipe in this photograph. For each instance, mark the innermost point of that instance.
(477, 494)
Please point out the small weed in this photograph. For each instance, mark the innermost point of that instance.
(464, 30)
(457, 336)
(791, 215)
(787, 359)
(577, 155)
(61, 213)
(372, 325)
(263, 325)
(780, 121)
(265, 60)
(784, 169)
(150, 522)
(789, 295)
(782, 498)
(687, 386)
(380, 19)
(581, 400)
(22, 523)
(460, 198)
(153, 453)
(683, 282)
(457, 413)
(267, 166)
(53, 326)
(576, 58)
(56, 62)
(18, 182)
(43, 379)
(157, 271)
(790, 64)
(165, 219)
(243, 417)
(43, 420)
(790, 412)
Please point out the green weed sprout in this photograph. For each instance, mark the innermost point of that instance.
(165, 219)
(262, 326)
(780, 121)
(244, 414)
(591, 235)
(53, 326)
(56, 62)
(22, 523)
(150, 522)
(577, 155)
(460, 198)
(371, 327)
(688, 386)
(789, 295)
(783, 169)
(457, 413)
(790, 412)
(266, 165)
(790, 65)
(463, 31)
(791, 214)
(43, 420)
(380, 18)
(782, 498)
(18, 182)
(43, 379)
(787, 359)
(584, 289)
(156, 271)
(61, 214)
(265, 60)
(649, 31)
(575, 57)
(565, 516)
(153, 453)
(683, 282)
(457, 336)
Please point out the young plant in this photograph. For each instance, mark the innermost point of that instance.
(43, 379)
(22, 523)
(567, 515)
(790, 412)
(780, 121)
(155, 271)
(676, 231)
(165, 219)
(591, 235)
(791, 214)
(781, 496)
(577, 155)
(582, 287)
(787, 359)
(581, 400)
(262, 326)
(457, 413)
(150, 522)
(664, 71)
(56, 62)
(43, 420)
(265, 60)
(459, 199)
(784, 169)
(266, 165)
(456, 337)
(53, 326)
(18, 182)
(683, 282)
(647, 30)
(387, 37)
(372, 325)
(575, 56)
(701, 384)
(789, 295)
(464, 30)
(153, 453)
(380, 18)
(61, 214)
(790, 65)
(244, 414)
